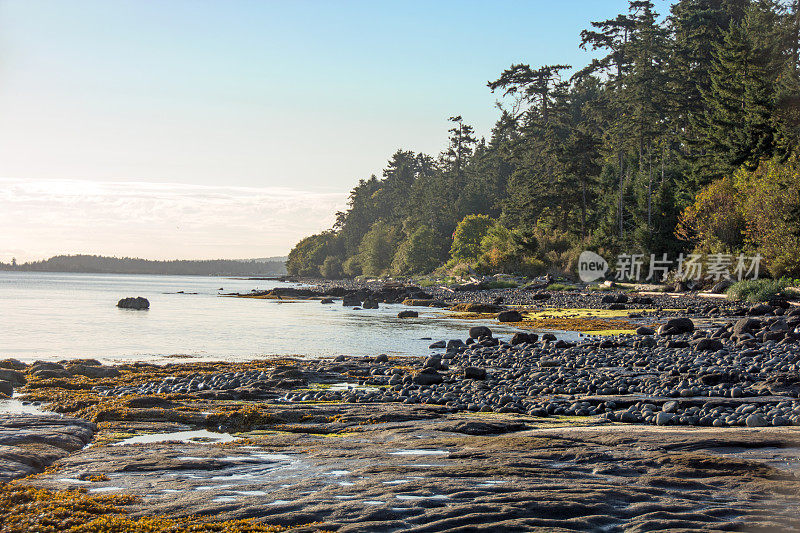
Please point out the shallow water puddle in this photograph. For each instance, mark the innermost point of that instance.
(414, 497)
(348, 386)
(198, 436)
(105, 489)
(73, 480)
(213, 487)
(491, 484)
(12, 406)
(420, 452)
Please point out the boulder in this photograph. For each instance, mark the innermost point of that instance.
(759, 310)
(138, 303)
(326, 301)
(6, 388)
(520, 338)
(13, 364)
(648, 342)
(676, 326)
(644, 330)
(474, 372)
(664, 418)
(670, 407)
(438, 344)
(434, 362)
(382, 358)
(93, 371)
(476, 332)
(46, 373)
(755, 421)
(14, 377)
(369, 304)
(407, 314)
(39, 365)
(721, 286)
(351, 300)
(746, 325)
(510, 316)
(453, 344)
(709, 345)
(427, 377)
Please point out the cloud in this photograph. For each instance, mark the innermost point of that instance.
(156, 220)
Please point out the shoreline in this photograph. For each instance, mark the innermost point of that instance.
(517, 433)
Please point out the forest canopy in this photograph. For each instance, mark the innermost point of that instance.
(681, 137)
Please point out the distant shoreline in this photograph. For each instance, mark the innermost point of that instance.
(95, 264)
(247, 277)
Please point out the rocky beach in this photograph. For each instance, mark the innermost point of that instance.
(663, 412)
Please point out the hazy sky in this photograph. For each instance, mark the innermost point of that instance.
(231, 128)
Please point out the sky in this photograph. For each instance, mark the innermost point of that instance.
(232, 128)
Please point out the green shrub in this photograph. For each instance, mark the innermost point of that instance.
(418, 253)
(352, 267)
(378, 247)
(331, 268)
(531, 267)
(770, 201)
(468, 236)
(760, 290)
(308, 255)
(752, 211)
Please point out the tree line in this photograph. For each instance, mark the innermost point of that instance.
(128, 265)
(681, 137)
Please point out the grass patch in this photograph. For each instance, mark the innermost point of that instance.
(762, 290)
(500, 284)
(561, 287)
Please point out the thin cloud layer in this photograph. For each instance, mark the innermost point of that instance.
(40, 218)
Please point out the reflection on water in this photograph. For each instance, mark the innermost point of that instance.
(197, 436)
(57, 316)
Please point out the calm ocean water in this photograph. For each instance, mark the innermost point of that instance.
(59, 316)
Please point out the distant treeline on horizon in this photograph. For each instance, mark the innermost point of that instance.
(98, 264)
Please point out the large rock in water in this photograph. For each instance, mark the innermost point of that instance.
(134, 303)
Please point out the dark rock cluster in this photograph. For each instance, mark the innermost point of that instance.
(138, 303)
